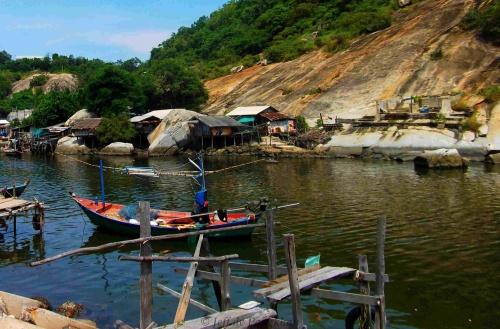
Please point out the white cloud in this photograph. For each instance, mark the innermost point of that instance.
(138, 41)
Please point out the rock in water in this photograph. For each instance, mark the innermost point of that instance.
(118, 148)
(70, 145)
(172, 133)
(70, 309)
(441, 158)
(494, 158)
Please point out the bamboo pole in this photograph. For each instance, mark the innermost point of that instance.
(364, 288)
(380, 282)
(120, 244)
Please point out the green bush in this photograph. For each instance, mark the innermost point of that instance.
(471, 123)
(485, 21)
(436, 55)
(314, 91)
(115, 128)
(491, 93)
(302, 125)
(39, 80)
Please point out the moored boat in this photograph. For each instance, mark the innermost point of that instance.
(16, 190)
(111, 218)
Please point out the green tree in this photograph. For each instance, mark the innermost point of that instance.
(116, 128)
(112, 90)
(302, 125)
(5, 85)
(22, 100)
(5, 57)
(176, 86)
(55, 107)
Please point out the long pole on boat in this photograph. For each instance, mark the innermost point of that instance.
(101, 175)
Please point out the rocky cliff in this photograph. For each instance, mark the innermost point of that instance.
(55, 81)
(423, 52)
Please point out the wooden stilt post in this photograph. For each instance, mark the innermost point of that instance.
(364, 288)
(15, 223)
(205, 251)
(293, 279)
(271, 245)
(380, 316)
(225, 285)
(146, 283)
(212, 141)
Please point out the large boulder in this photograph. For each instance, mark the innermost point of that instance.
(172, 134)
(118, 148)
(441, 158)
(71, 145)
(494, 129)
(494, 158)
(82, 114)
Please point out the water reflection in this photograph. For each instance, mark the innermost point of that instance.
(442, 242)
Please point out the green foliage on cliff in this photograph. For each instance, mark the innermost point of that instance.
(486, 21)
(281, 29)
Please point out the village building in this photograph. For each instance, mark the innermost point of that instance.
(251, 115)
(144, 124)
(4, 129)
(279, 123)
(85, 130)
(19, 115)
(216, 131)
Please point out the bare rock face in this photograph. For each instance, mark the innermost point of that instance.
(70, 145)
(493, 135)
(384, 64)
(442, 158)
(494, 158)
(118, 148)
(172, 134)
(56, 82)
(82, 114)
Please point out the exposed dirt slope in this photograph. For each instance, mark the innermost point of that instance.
(394, 61)
(60, 81)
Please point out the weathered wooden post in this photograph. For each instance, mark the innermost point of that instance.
(364, 288)
(146, 283)
(380, 316)
(271, 245)
(225, 285)
(293, 279)
(205, 251)
(180, 314)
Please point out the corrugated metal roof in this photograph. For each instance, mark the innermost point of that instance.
(4, 122)
(275, 116)
(84, 124)
(218, 121)
(159, 114)
(249, 110)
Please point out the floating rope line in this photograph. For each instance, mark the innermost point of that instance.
(152, 172)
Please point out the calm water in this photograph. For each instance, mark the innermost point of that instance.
(442, 251)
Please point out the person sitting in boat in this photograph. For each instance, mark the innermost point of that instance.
(200, 206)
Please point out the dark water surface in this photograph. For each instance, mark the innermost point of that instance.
(442, 251)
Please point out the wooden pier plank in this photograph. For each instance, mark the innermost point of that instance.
(314, 279)
(234, 279)
(243, 318)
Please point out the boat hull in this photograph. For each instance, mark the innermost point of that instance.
(8, 192)
(133, 230)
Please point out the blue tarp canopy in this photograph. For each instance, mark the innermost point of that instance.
(247, 119)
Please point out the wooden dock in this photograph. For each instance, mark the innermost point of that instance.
(219, 270)
(11, 208)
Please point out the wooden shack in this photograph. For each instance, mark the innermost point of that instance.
(279, 123)
(251, 115)
(216, 130)
(144, 124)
(85, 130)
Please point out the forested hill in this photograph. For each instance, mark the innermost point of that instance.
(279, 30)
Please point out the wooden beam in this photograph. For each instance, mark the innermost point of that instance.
(205, 251)
(193, 302)
(123, 243)
(346, 297)
(243, 318)
(146, 280)
(381, 230)
(298, 320)
(180, 314)
(216, 277)
(218, 259)
(260, 268)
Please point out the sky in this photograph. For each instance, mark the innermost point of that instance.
(107, 29)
